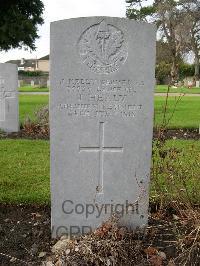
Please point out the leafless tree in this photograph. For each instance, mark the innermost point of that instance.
(191, 30)
(177, 24)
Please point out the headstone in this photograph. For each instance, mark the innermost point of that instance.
(20, 83)
(48, 83)
(180, 84)
(197, 84)
(42, 83)
(101, 117)
(32, 83)
(9, 114)
(190, 83)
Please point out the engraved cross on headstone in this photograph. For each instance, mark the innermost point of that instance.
(100, 149)
(3, 96)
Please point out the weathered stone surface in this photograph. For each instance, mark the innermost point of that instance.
(101, 113)
(9, 114)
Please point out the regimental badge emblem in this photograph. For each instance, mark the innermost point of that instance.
(103, 48)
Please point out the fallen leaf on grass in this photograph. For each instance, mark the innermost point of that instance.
(35, 215)
(42, 254)
(103, 230)
(156, 260)
(162, 255)
(150, 251)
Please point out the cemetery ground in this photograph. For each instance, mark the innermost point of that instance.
(173, 234)
(33, 89)
(164, 89)
(158, 89)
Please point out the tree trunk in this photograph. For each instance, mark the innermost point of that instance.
(197, 67)
(174, 72)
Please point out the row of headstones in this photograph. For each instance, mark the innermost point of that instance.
(101, 120)
(189, 83)
(34, 84)
(192, 83)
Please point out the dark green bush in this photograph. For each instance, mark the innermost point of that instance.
(162, 72)
(186, 70)
(30, 73)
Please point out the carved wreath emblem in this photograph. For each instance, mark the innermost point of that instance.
(102, 48)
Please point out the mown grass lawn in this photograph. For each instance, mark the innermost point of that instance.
(176, 171)
(32, 89)
(29, 104)
(186, 115)
(164, 88)
(24, 171)
(186, 112)
(158, 88)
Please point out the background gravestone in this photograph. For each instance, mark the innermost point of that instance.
(32, 83)
(101, 113)
(9, 114)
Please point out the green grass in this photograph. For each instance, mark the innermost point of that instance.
(159, 88)
(33, 89)
(187, 113)
(176, 171)
(24, 171)
(163, 88)
(29, 104)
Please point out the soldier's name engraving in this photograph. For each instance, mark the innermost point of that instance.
(100, 97)
(106, 85)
